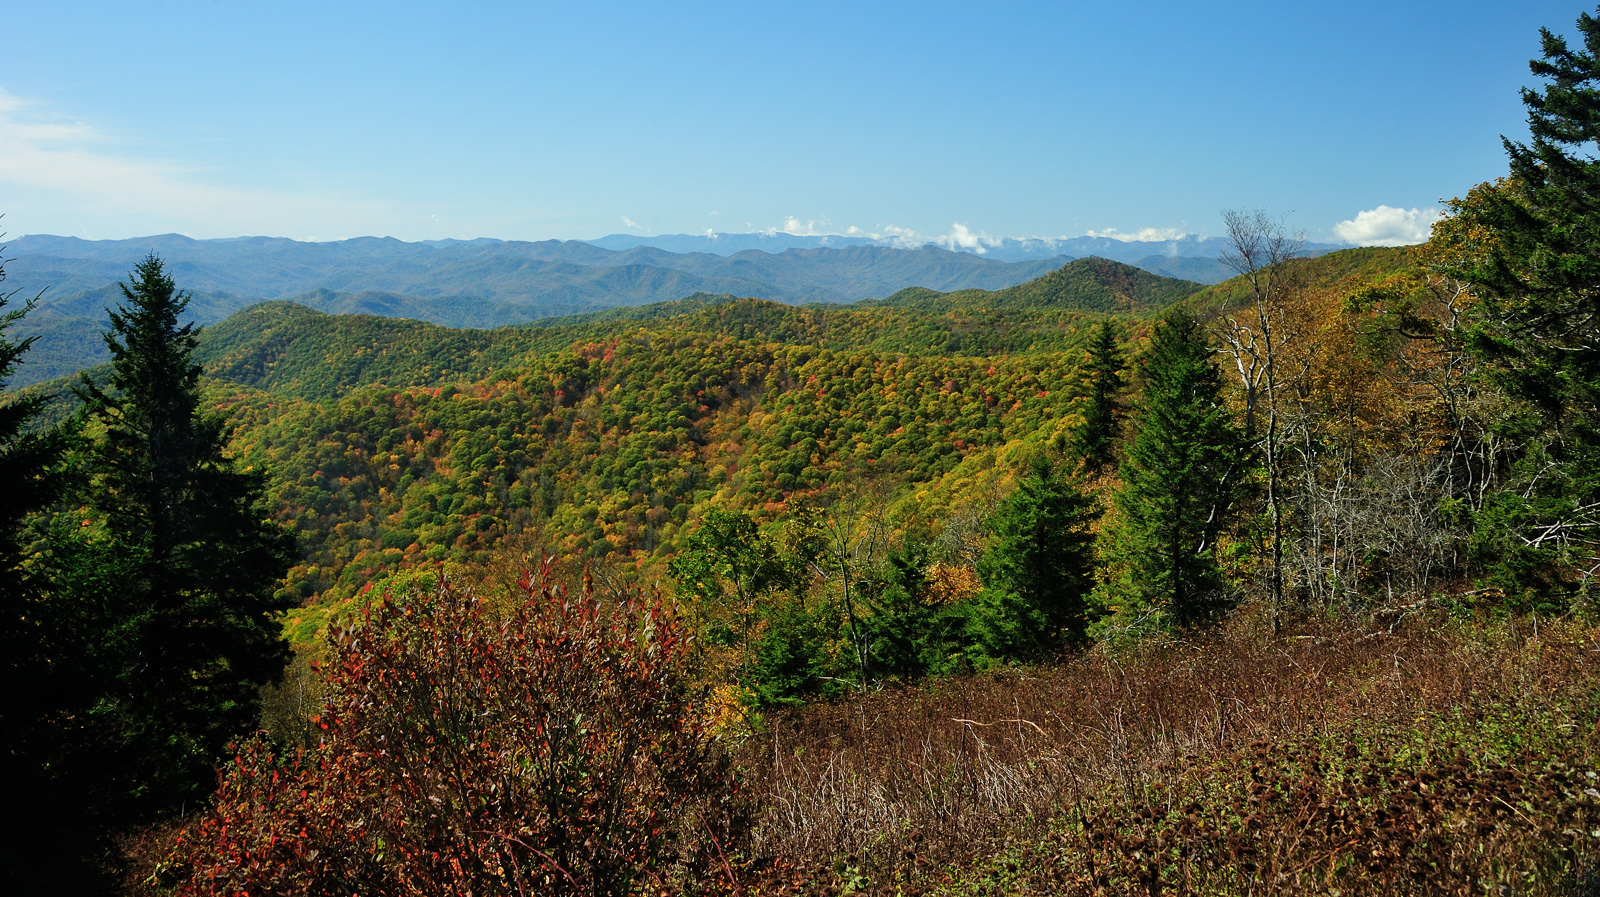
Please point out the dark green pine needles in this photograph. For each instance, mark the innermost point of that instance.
(1180, 477)
(1529, 247)
(188, 628)
(1095, 441)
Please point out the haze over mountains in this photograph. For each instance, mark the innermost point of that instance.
(550, 277)
(487, 282)
(1190, 257)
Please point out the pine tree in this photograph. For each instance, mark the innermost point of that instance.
(1180, 478)
(189, 638)
(1529, 248)
(45, 845)
(27, 480)
(1095, 441)
(1038, 569)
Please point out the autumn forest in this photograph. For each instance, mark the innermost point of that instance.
(1103, 583)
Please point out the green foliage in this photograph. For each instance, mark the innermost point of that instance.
(907, 633)
(186, 636)
(723, 571)
(790, 658)
(1181, 476)
(1096, 439)
(1038, 568)
(1528, 573)
(1526, 246)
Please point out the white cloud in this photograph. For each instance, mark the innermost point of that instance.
(962, 237)
(1388, 226)
(900, 237)
(796, 228)
(1142, 235)
(79, 169)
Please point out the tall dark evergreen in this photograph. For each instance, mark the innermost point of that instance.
(1038, 569)
(1096, 440)
(44, 843)
(187, 634)
(28, 482)
(1180, 478)
(1529, 247)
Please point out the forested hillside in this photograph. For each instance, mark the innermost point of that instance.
(393, 443)
(889, 448)
(1091, 284)
(1099, 583)
(478, 283)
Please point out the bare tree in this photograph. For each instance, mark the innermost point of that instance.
(1261, 251)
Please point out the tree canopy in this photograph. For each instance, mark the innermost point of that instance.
(177, 556)
(1182, 474)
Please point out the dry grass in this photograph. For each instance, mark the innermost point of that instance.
(1333, 759)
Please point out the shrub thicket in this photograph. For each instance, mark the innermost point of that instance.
(1437, 758)
(551, 747)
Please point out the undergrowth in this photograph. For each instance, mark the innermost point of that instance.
(1439, 757)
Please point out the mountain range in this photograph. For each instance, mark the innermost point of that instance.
(549, 277)
(1189, 257)
(486, 283)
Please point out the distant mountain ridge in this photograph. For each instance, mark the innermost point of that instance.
(291, 348)
(1090, 284)
(569, 275)
(1196, 256)
(476, 283)
(487, 283)
(548, 277)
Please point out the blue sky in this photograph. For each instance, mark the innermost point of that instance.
(536, 121)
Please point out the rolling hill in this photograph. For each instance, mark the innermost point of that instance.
(479, 283)
(295, 349)
(1091, 284)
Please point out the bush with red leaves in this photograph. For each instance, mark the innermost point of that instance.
(552, 748)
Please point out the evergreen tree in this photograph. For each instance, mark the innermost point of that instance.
(46, 842)
(1180, 478)
(1038, 568)
(1529, 247)
(28, 483)
(1095, 442)
(187, 637)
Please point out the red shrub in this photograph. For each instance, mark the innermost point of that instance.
(552, 748)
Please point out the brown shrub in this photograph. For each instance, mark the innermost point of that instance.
(1429, 760)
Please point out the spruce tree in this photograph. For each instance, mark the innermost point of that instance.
(1180, 478)
(189, 638)
(46, 843)
(1095, 441)
(1038, 568)
(28, 481)
(1529, 248)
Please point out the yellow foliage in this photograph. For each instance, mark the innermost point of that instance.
(950, 583)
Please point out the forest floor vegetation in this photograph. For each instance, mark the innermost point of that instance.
(1432, 755)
